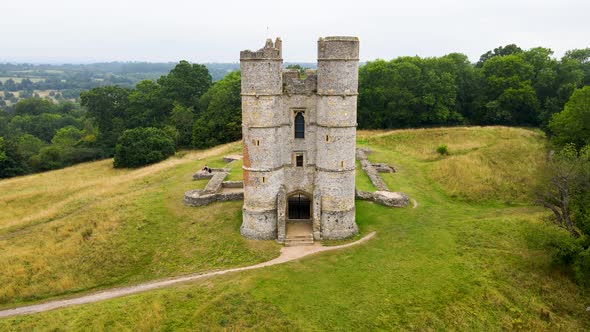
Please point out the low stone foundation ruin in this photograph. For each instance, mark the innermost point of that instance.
(216, 189)
(382, 196)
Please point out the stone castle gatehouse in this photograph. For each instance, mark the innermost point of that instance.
(299, 138)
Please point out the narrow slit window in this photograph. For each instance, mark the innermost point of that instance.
(263, 179)
(299, 160)
(257, 142)
(299, 125)
(327, 139)
(342, 164)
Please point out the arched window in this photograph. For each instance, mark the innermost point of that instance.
(299, 125)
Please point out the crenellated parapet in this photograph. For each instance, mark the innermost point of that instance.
(338, 49)
(293, 84)
(270, 51)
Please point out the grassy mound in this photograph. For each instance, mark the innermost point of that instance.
(485, 163)
(92, 226)
(454, 263)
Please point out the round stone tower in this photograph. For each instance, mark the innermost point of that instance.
(262, 87)
(337, 90)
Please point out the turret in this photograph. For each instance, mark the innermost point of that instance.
(337, 84)
(262, 87)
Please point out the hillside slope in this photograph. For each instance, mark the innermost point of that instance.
(469, 257)
(92, 226)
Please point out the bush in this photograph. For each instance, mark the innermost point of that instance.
(443, 150)
(143, 146)
(582, 268)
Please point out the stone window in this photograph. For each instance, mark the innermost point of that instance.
(299, 125)
(299, 160)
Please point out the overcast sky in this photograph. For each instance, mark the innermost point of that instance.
(215, 31)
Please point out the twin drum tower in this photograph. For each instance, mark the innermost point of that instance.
(299, 139)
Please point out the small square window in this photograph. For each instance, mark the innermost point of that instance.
(299, 160)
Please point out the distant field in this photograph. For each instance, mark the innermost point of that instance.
(19, 79)
(469, 257)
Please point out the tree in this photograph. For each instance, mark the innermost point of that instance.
(146, 108)
(12, 162)
(297, 67)
(33, 106)
(67, 136)
(185, 84)
(498, 51)
(566, 175)
(142, 146)
(409, 92)
(564, 188)
(220, 118)
(508, 88)
(183, 118)
(572, 125)
(29, 145)
(108, 106)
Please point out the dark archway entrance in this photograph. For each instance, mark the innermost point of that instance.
(299, 207)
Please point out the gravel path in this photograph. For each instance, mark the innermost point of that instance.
(287, 254)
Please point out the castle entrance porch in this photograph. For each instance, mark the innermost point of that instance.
(299, 207)
(299, 229)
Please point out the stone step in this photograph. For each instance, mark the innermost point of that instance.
(310, 236)
(296, 243)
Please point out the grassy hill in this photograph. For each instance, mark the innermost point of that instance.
(468, 257)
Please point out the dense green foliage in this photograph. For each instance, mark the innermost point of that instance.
(507, 86)
(42, 135)
(184, 103)
(66, 82)
(565, 183)
(220, 119)
(142, 146)
(572, 125)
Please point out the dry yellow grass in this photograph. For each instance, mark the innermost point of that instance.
(91, 226)
(478, 167)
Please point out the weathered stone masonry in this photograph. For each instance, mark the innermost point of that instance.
(326, 99)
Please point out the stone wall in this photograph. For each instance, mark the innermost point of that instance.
(361, 155)
(214, 185)
(232, 184)
(387, 198)
(382, 196)
(198, 198)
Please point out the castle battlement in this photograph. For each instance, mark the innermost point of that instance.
(293, 84)
(338, 48)
(299, 141)
(270, 51)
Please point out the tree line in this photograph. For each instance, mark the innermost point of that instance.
(507, 86)
(184, 105)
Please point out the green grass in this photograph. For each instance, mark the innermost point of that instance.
(363, 183)
(102, 227)
(453, 263)
(235, 173)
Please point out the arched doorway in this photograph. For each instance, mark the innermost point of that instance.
(298, 207)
